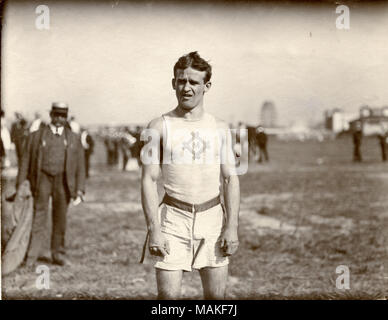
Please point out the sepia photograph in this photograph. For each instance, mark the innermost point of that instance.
(194, 150)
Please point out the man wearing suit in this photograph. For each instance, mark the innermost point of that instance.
(19, 134)
(357, 138)
(53, 162)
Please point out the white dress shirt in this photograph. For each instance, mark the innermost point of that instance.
(35, 125)
(56, 130)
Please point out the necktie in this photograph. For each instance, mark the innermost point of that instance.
(56, 132)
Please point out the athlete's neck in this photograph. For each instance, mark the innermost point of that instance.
(192, 114)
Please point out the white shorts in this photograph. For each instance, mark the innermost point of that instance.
(194, 239)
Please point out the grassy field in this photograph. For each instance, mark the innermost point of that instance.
(303, 214)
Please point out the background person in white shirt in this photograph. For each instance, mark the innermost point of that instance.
(75, 127)
(35, 125)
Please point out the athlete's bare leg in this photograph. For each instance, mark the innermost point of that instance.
(214, 282)
(169, 284)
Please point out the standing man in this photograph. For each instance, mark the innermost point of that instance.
(116, 147)
(357, 138)
(252, 142)
(261, 138)
(53, 162)
(190, 229)
(383, 141)
(136, 147)
(19, 135)
(108, 142)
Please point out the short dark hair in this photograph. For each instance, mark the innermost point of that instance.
(194, 60)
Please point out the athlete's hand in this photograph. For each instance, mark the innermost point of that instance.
(158, 244)
(229, 241)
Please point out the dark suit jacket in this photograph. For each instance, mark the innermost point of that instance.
(31, 165)
(261, 138)
(90, 142)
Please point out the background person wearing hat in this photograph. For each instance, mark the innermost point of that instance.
(53, 162)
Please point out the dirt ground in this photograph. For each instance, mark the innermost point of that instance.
(303, 214)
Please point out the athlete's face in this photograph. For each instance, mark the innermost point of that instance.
(190, 87)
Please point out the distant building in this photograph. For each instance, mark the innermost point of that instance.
(371, 119)
(268, 115)
(338, 121)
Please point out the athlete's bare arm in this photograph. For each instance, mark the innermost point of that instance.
(231, 187)
(150, 200)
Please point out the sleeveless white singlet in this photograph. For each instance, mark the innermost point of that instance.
(191, 158)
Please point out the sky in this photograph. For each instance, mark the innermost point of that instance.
(112, 61)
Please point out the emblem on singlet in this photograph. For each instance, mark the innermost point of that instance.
(196, 145)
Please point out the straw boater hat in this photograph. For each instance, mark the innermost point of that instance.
(59, 108)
